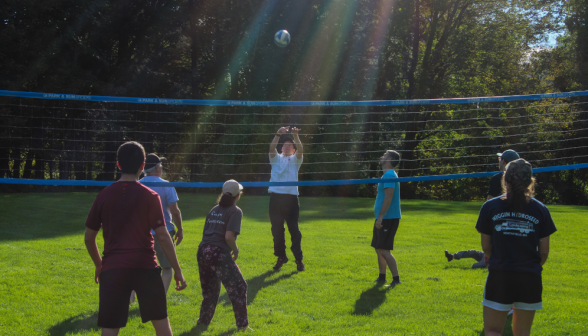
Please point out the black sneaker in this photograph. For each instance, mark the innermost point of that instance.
(448, 255)
(280, 263)
(394, 283)
(300, 265)
(380, 280)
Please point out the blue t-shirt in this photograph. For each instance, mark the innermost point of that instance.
(394, 209)
(167, 195)
(515, 234)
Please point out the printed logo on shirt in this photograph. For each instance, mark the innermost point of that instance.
(514, 227)
(216, 220)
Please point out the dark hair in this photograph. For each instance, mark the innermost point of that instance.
(287, 137)
(518, 184)
(226, 199)
(130, 157)
(394, 157)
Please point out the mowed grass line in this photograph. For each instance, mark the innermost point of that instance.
(46, 287)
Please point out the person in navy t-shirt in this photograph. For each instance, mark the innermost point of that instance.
(515, 230)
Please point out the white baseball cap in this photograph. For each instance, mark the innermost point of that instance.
(233, 187)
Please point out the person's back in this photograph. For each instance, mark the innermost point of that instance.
(516, 234)
(213, 233)
(515, 230)
(127, 212)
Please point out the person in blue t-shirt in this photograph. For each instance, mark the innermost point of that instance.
(515, 230)
(171, 212)
(387, 213)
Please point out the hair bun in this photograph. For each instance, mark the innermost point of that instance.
(520, 170)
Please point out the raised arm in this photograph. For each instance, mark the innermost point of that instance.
(272, 150)
(299, 148)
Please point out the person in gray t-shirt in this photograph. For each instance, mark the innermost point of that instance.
(215, 263)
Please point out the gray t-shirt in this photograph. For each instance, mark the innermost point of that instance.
(218, 221)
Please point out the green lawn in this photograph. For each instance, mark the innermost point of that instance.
(47, 287)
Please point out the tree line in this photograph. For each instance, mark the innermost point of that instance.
(340, 50)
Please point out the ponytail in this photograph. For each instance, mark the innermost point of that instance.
(226, 200)
(518, 184)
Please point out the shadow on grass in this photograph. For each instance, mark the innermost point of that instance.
(49, 215)
(82, 323)
(507, 331)
(369, 300)
(256, 284)
(201, 328)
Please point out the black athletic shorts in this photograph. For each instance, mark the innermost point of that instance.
(115, 292)
(384, 238)
(506, 289)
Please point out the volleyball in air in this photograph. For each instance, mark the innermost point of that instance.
(282, 38)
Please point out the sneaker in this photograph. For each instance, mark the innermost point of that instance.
(300, 265)
(448, 255)
(280, 263)
(380, 280)
(394, 283)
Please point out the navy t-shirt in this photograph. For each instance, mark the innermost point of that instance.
(218, 221)
(515, 234)
(495, 189)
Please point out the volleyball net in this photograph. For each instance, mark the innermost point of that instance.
(60, 139)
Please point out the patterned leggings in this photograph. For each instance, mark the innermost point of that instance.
(216, 266)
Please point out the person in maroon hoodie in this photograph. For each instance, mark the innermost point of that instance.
(127, 211)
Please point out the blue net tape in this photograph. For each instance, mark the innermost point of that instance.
(165, 101)
(268, 184)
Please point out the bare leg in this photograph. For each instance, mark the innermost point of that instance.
(166, 275)
(110, 332)
(494, 321)
(162, 327)
(522, 321)
(390, 260)
(381, 263)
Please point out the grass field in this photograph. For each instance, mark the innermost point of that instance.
(47, 287)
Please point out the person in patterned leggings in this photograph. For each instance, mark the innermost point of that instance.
(217, 254)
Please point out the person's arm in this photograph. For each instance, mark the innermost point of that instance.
(92, 247)
(388, 196)
(486, 244)
(272, 151)
(231, 238)
(297, 142)
(544, 249)
(177, 219)
(167, 246)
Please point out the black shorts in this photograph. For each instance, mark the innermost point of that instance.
(115, 292)
(506, 289)
(384, 238)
